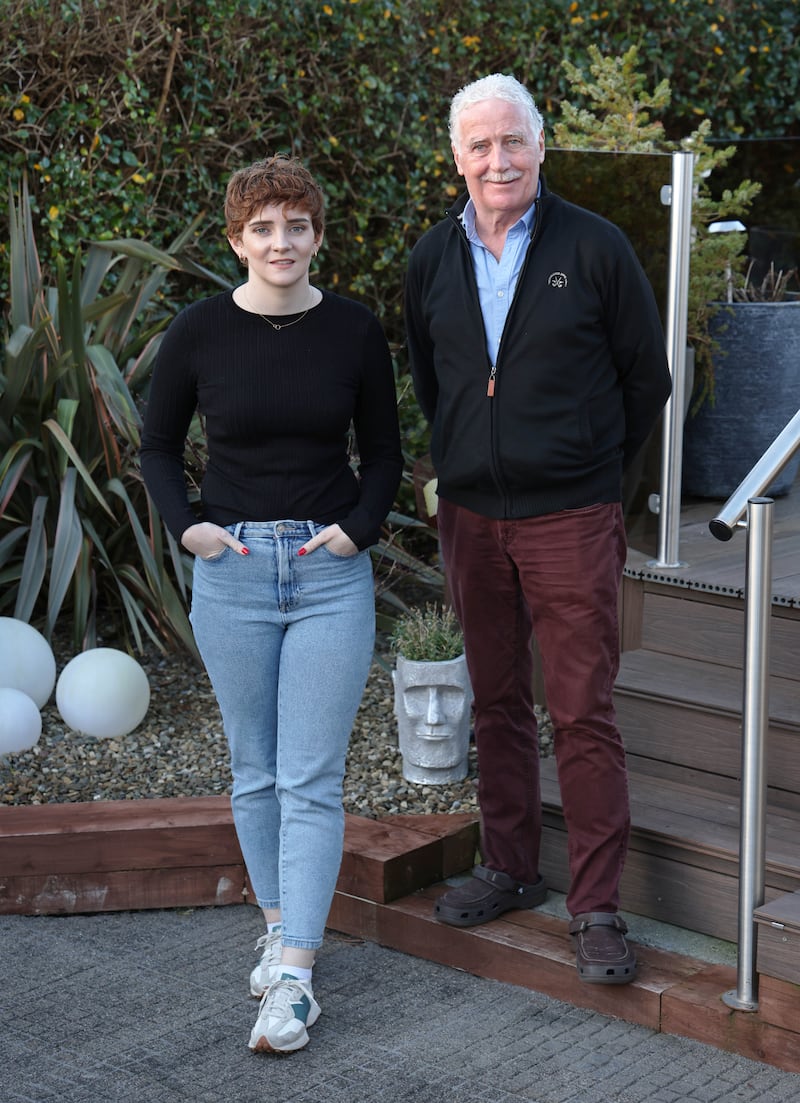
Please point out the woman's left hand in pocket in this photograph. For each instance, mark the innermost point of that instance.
(338, 542)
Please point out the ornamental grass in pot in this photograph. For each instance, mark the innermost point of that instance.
(432, 695)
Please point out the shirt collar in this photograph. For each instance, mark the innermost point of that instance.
(467, 219)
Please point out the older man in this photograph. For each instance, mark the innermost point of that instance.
(538, 357)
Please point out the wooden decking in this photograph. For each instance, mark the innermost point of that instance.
(719, 568)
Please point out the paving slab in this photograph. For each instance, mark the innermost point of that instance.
(152, 1007)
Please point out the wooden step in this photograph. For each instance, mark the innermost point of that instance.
(167, 853)
(694, 626)
(688, 713)
(779, 938)
(682, 865)
(671, 993)
(703, 684)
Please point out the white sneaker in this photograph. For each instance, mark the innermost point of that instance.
(268, 968)
(287, 1008)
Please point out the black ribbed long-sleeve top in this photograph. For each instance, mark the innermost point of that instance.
(278, 408)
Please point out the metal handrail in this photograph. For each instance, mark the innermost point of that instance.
(757, 479)
(755, 695)
(755, 722)
(758, 577)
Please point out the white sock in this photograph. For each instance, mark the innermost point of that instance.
(297, 972)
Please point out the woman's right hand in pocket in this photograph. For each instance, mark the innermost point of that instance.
(207, 541)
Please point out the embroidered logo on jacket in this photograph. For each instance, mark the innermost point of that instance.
(557, 280)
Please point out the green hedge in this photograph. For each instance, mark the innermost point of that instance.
(128, 119)
(125, 122)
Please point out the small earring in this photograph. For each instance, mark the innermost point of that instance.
(243, 260)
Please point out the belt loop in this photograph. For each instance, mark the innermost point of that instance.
(237, 528)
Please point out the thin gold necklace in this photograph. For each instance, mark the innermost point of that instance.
(276, 325)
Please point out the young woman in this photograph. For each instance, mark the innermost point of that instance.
(283, 595)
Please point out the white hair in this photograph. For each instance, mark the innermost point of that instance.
(498, 86)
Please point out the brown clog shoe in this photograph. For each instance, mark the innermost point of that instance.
(486, 895)
(602, 954)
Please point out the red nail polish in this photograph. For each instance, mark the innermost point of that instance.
(302, 551)
(245, 551)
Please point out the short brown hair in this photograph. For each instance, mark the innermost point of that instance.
(276, 180)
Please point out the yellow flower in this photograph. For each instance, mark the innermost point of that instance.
(52, 214)
(24, 99)
(436, 50)
(137, 178)
(18, 115)
(451, 190)
(360, 239)
(332, 140)
(327, 9)
(719, 50)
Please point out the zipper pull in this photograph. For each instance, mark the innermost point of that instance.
(490, 386)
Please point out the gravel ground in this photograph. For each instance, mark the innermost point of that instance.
(179, 750)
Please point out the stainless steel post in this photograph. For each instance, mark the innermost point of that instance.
(755, 721)
(680, 229)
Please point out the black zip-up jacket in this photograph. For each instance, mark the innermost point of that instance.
(581, 373)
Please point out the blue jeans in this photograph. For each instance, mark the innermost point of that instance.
(287, 641)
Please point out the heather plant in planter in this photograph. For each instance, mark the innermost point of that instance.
(433, 696)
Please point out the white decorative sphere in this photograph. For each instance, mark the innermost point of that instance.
(103, 693)
(27, 662)
(20, 721)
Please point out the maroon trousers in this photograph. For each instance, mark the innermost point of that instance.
(556, 577)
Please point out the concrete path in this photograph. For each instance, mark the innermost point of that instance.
(152, 1007)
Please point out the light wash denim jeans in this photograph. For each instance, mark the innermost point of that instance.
(287, 641)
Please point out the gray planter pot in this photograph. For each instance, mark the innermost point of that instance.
(432, 703)
(756, 392)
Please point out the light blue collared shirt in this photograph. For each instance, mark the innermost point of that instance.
(497, 280)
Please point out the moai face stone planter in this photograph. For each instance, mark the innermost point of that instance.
(432, 702)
